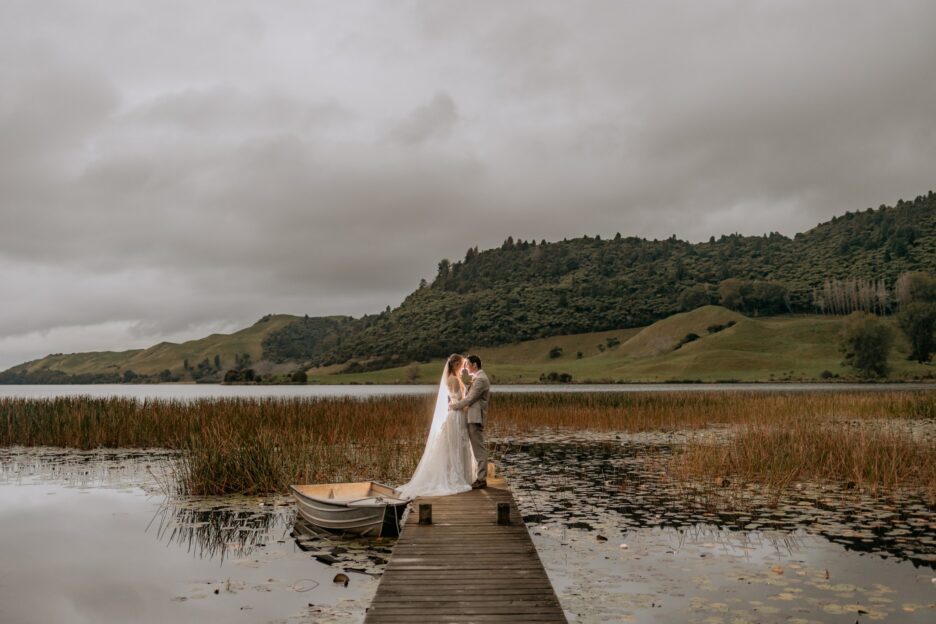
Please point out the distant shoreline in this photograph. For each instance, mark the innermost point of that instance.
(678, 382)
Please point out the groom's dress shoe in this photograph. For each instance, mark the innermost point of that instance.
(477, 485)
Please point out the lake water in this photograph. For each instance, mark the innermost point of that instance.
(622, 543)
(197, 391)
(89, 537)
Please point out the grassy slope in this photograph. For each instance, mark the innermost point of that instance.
(168, 354)
(754, 349)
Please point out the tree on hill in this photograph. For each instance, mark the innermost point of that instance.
(241, 361)
(202, 370)
(696, 296)
(916, 293)
(755, 297)
(309, 338)
(849, 295)
(866, 342)
(235, 376)
(768, 297)
(918, 321)
(733, 292)
(915, 286)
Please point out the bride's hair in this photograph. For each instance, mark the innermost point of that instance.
(454, 361)
(453, 369)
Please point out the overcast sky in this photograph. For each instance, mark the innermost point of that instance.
(169, 169)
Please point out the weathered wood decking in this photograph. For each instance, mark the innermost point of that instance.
(464, 567)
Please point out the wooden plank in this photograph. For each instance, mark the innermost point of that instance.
(408, 583)
(457, 593)
(459, 617)
(499, 603)
(464, 567)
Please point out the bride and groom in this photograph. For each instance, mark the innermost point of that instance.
(455, 459)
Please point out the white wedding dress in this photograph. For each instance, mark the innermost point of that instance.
(447, 465)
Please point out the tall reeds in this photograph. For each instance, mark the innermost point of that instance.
(241, 445)
(257, 445)
(871, 455)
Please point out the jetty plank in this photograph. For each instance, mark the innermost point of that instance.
(464, 567)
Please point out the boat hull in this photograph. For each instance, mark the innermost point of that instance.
(381, 518)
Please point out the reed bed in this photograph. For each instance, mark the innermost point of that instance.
(676, 411)
(260, 445)
(236, 445)
(872, 455)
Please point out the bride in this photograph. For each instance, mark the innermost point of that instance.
(447, 465)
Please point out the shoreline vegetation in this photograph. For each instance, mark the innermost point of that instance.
(849, 298)
(709, 344)
(878, 441)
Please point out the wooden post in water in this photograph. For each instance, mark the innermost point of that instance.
(425, 513)
(503, 513)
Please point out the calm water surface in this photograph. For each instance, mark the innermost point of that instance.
(196, 391)
(89, 537)
(623, 543)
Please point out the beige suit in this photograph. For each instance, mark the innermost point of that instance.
(476, 402)
(477, 399)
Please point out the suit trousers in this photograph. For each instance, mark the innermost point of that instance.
(476, 437)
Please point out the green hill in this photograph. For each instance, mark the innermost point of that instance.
(729, 347)
(103, 366)
(526, 290)
(513, 301)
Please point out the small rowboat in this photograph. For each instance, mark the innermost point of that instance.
(366, 508)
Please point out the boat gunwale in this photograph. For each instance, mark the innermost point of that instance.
(351, 504)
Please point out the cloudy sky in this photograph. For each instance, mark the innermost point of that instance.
(169, 169)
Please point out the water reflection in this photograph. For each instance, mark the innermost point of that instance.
(90, 536)
(212, 529)
(622, 541)
(362, 555)
(575, 483)
(148, 469)
(221, 528)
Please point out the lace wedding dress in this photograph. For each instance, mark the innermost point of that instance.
(447, 465)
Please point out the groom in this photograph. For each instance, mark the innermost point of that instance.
(476, 401)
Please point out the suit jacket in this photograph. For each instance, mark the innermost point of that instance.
(477, 399)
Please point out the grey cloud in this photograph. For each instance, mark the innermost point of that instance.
(227, 108)
(47, 108)
(322, 158)
(434, 119)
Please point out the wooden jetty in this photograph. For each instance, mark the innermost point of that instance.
(465, 567)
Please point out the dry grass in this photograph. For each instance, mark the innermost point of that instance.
(867, 455)
(254, 445)
(674, 411)
(236, 445)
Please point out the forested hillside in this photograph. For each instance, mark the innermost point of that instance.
(529, 289)
(526, 290)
